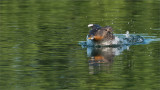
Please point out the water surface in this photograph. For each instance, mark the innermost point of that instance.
(39, 45)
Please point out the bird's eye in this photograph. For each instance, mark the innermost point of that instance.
(106, 29)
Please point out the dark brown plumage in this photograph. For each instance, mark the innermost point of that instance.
(101, 34)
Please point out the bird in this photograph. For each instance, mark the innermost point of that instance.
(101, 35)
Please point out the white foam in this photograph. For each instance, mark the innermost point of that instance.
(116, 41)
(127, 34)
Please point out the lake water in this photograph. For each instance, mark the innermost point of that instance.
(39, 47)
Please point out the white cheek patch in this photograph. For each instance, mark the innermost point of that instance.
(90, 25)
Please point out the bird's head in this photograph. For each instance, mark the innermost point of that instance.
(93, 31)
(99, 33)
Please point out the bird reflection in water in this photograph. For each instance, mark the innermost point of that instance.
(101, 58)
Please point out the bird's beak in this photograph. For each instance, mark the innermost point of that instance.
(91, 37)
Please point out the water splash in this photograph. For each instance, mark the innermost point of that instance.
(122, 40)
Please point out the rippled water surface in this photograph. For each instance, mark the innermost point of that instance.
(39, 47)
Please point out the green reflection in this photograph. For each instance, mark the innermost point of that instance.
(39, 51)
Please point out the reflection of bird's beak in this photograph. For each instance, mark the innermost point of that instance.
(98, 57)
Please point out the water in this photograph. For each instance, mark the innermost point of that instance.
(39, 45)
